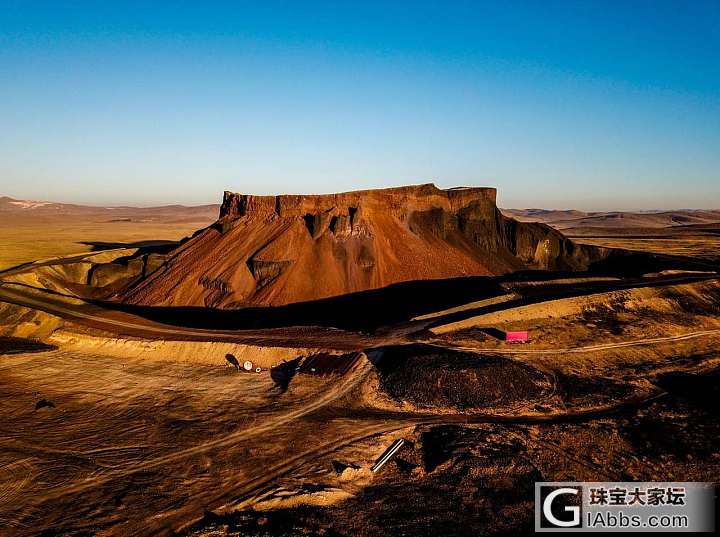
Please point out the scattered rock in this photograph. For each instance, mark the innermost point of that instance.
(44, 403)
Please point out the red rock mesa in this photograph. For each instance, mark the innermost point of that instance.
(274, 250)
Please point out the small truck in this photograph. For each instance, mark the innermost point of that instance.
(516, 336)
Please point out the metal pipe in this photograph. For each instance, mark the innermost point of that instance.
(387, 455)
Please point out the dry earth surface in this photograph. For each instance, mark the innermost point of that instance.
(37, 230)
(693, 233)
(127, 421)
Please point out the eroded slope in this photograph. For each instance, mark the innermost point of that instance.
(274, 250)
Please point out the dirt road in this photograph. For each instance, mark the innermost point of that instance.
(309, 338)
(255, 477)
(127, 324)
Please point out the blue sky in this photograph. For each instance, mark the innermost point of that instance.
(591, 105)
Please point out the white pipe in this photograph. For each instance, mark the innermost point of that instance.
(387, 455)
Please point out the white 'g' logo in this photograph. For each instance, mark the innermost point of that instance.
(575, 510)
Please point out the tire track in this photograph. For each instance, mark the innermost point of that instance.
(14, 477)
(18, 298)
(331, 395)
(258, 485)
(590, 348)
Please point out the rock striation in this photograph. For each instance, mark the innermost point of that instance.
(276, 250)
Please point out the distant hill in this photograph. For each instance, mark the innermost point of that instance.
(166, 213)
(572, 220)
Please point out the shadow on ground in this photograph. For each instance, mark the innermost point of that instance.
(156, 246)
(16, 345)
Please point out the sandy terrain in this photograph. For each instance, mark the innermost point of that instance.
(36, 230)
(572, 219)
(271, 448)
(691, 245)
(133, 420)
(684, 233)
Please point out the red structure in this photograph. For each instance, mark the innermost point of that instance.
(516, 336)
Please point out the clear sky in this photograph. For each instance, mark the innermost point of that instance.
(590, 105)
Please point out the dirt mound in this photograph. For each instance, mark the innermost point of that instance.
(275, 250)
(430, 378)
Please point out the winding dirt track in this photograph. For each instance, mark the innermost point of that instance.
(107, 320)
(246, 336)
(594, 348)
(241, 434)
(257, 480)
(244, 494)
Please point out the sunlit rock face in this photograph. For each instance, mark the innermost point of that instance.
(275, 250)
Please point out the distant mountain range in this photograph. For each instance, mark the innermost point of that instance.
(167, 213)
(574, 221)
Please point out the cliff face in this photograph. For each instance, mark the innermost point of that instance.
(274, 250)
